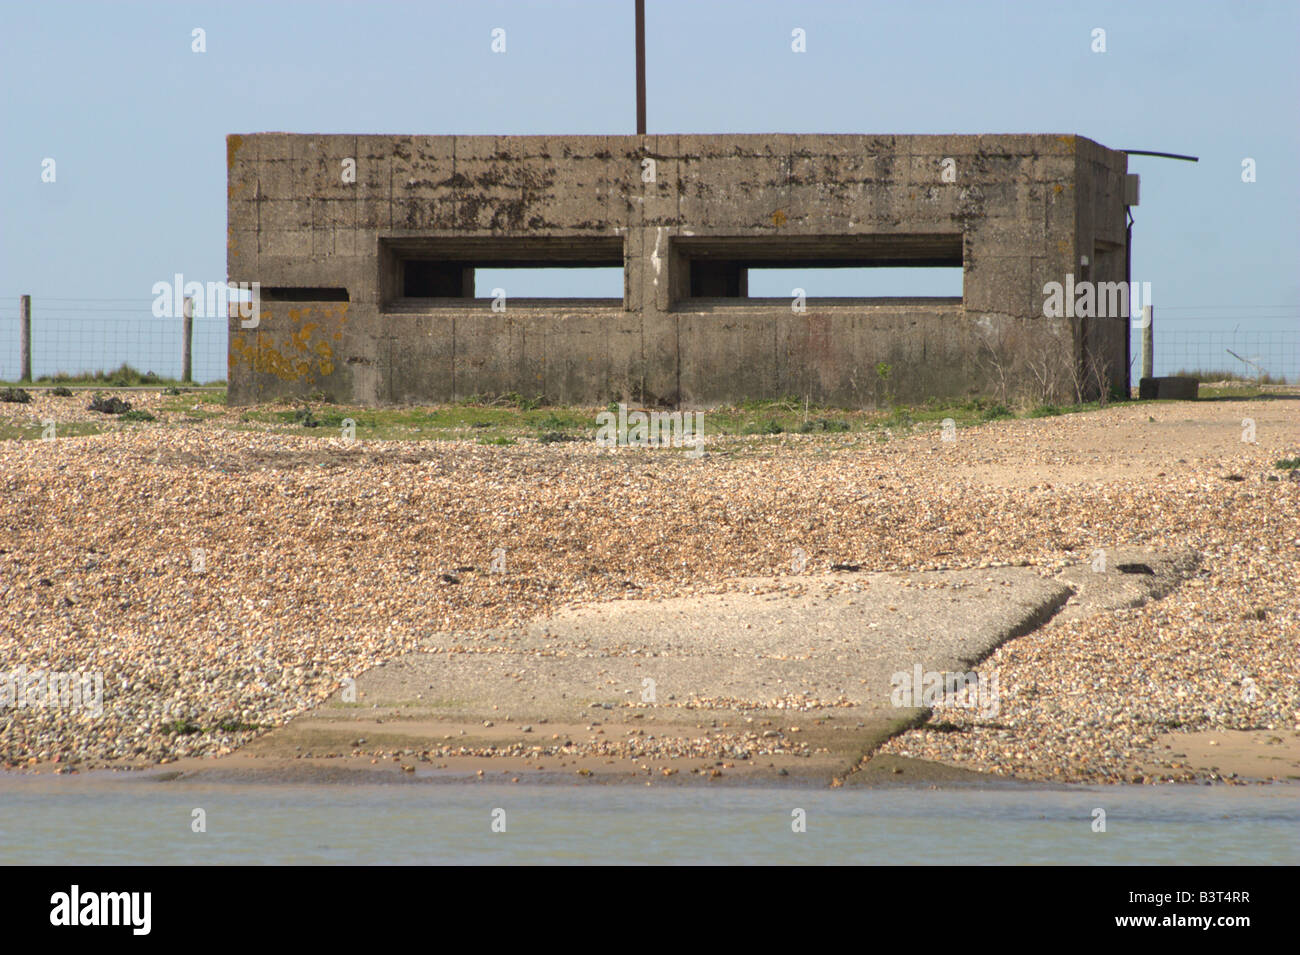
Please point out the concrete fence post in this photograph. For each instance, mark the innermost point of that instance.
(1148, 341)
(25, 337)
(187, 313)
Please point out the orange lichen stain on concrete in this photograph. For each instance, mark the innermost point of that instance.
(1058, 188)
(261, 355)
(266, 356)
(778, 218)
(302, 337)
(1071, 142)
(270, 361)
(239, 352)
(234, 142)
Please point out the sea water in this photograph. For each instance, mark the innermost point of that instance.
(112, 820)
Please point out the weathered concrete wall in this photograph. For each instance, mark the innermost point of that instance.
(1021, 212)
(1100, 234)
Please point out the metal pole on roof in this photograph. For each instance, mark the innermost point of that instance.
(640, 67)
(1147, 152)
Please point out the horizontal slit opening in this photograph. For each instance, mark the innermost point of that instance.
(860, 269)
(548, 271)
(287, 293)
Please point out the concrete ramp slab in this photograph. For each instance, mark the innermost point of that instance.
(782, 677)
(835, 640)
(777, 677)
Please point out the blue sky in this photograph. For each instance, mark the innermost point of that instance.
(136, 121)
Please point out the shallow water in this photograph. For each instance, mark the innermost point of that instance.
(116, 821)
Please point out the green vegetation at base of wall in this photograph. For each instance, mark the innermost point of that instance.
(506, 420)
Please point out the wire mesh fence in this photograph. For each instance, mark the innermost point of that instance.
(1271, 356)
(1260, 342)
(84, 336)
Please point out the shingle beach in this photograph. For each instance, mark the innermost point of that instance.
(227, 578)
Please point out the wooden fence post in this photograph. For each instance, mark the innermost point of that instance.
(188, 313)
(25, 324)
